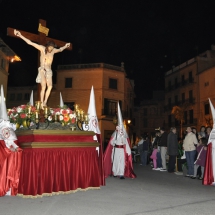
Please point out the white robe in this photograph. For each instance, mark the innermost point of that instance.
(118, 154)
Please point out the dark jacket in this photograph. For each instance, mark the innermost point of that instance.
(156, 141)
(163, 140)
(172, 144)
(146, 145)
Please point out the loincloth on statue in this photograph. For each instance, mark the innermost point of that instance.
(47, 73)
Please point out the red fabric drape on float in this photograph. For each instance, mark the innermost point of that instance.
(108, 162)
(49, 170)
(208, 173)
(101, 163)
(10, 164)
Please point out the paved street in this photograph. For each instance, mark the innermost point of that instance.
(152, 192)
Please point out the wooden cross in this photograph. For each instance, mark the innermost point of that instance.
(39, 38)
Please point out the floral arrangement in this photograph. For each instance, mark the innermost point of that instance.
(20, 114)
(28, 115)
(63, 114)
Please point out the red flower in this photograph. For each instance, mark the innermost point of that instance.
(64, 112)
(66, 118)
(73, 120)
(33, 108)
(22, 115)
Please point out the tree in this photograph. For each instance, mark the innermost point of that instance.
(178, 113)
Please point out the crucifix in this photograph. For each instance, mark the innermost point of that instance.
(46, 47)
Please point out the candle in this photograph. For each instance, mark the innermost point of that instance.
(36, 115)
(29, 110)
(46, 110)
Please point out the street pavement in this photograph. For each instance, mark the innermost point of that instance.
(152, 192)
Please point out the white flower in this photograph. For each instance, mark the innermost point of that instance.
(57, 113)
(50, 118)
(61, 117)
(51, 111)
(67, 110)
(19, 109)
(72, 115)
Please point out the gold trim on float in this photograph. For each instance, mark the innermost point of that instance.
(54, 132)
(58, 144)
(58, 193)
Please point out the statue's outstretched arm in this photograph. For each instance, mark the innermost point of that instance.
(67, 45)
(18, 34)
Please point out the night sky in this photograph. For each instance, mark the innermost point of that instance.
(149, 36)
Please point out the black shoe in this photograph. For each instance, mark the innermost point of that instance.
(122, 177)
(114, 176)
(200, 178)
(193, 177)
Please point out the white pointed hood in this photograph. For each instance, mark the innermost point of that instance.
(61, 101)
(93, 120)
(3, 109)
(213, 113)
(120, 135)
(120, 121)
(31, 102)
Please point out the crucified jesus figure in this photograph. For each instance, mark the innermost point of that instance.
(44, 76)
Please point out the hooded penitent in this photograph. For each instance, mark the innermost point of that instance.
(93, 120)
(61, 101)
(118, 138)
(94, 126)
(209, 173)
(31, 102)
(10, 161)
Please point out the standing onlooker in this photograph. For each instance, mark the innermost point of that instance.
(202, 132)
(172, 149)
(201, 158)
(154, 157)
(156, 144)
(144, 154)
(208, 131)
(195, 132)
(190, 150)
(163, 148)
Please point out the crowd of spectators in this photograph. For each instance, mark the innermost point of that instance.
(168, 152)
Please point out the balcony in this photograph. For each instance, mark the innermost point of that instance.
(180, 85)
(169, 107)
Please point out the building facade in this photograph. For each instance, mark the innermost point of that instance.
(183, 89)
(7, 55)
(149, 115)
(110, 85)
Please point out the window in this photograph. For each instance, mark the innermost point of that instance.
(68, 82)
(176, 122)
(176, 83)
(169, 120)
(19, 97)
(190, 96)
(70, 105)
(3, 63)
(169, 85)
(183, 98)
(191, 116)
(113, 83)
(207, 109)
(26, 96)
(206, 84)
(12, 96)
(185, 117)
(145, 123)
(145, 111)
(176, 100)
(169, 102)
(190, 77)
(182, 80)
(110, 107)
